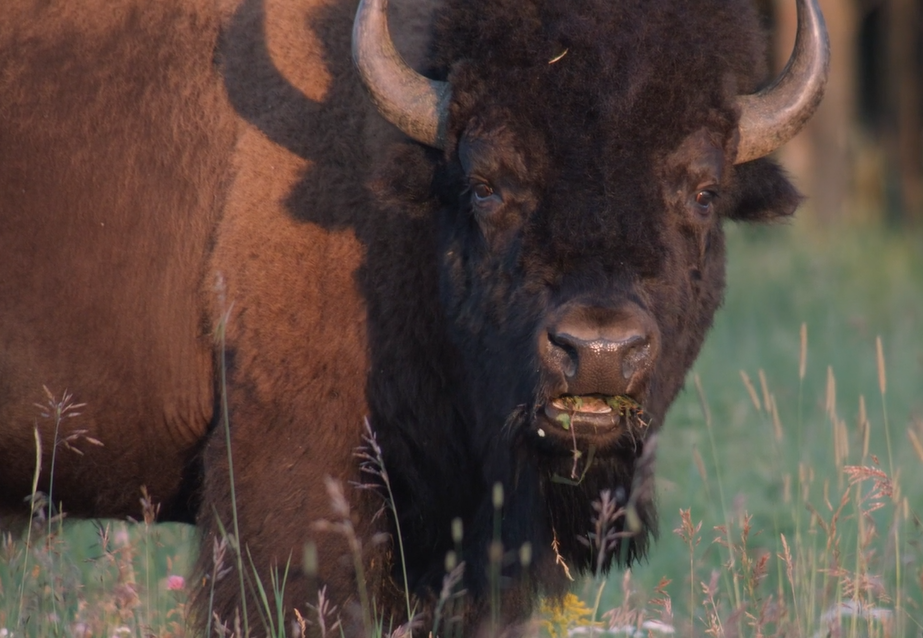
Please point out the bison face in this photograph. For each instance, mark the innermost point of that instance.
(579, 298)
(578, 281)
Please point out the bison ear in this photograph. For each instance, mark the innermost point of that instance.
(763, 192)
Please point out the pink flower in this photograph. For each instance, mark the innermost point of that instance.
(175, 583)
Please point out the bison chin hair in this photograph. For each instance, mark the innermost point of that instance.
(605, 516)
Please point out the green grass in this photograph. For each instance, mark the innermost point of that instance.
(736, 470)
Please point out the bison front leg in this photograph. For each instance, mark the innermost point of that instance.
(305, 532)
(292, 361)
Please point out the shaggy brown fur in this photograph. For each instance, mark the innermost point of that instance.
(115, 141)
(174, 171)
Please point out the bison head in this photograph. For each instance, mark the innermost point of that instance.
(588, 156)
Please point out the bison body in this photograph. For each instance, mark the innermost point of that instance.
(209, 234)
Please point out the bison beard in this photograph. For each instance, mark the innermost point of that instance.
(530, 279)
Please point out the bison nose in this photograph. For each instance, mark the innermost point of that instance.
(601, 351)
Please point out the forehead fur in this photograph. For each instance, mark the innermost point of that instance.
(646, 71)
(637, 77)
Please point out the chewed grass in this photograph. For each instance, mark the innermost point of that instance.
(595, 404)
(789, 473)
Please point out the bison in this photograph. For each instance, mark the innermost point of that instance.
(476, 293)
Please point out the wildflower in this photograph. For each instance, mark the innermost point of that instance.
(175, 583)
(561, 617)
(122, 538)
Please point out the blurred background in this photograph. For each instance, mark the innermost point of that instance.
(861, 156)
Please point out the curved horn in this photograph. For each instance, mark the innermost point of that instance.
(773, 116)
(415, 104)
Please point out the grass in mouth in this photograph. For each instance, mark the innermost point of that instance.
(593, 404)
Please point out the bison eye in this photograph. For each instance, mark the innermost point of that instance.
(704, 199)
(482, 191)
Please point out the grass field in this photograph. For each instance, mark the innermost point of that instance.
(787, 473)
(793, 456)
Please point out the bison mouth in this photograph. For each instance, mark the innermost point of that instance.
(590, 417)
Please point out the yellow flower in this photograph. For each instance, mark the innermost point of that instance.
(560, 616)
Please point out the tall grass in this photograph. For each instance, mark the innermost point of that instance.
(96, 579)
(796, 451)
(790, 479)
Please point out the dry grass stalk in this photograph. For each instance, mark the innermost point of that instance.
(372, 462)
(915, 441)
(328, 618)
(558, 559)
(831, 395)
(776, 420)
(880, 357)
(803, 352)
(840, 443)
(864, 427)
(713, 625)
(302, 624)
(882, 487)
(689, 533)
(343, 525)
(750, 390)
(604, 538)
(628, 614)
(57, 410)
(664, 604)
(706, 411)
(805, 480)
(764, 386)
(786, 557)
(227, 630)
(448, 596)
(700, 465)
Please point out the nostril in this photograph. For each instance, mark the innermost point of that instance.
(628, 368)
(635, 359)
(566, 351)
